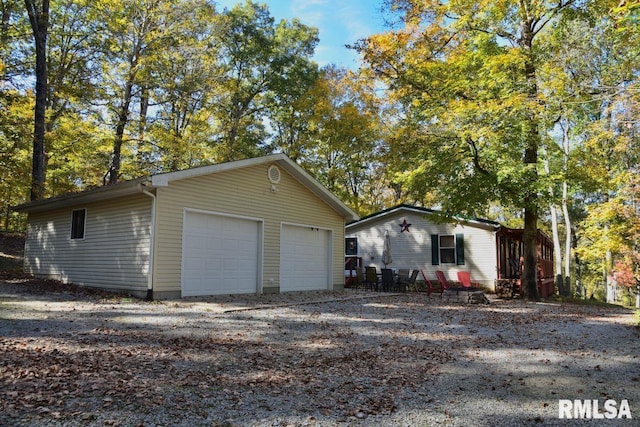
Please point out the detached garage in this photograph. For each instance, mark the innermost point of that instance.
(260, 225)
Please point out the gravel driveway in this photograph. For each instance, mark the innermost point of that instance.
(70, 357)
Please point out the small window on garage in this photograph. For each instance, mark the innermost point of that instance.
(78, 218)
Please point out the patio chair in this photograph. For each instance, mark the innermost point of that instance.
(387, 279)
(431, 287)
(360, 279)
(371, 278)
(402, 280)
(464, 277)
(449, 291)
(515, 269)
(411, 283)
(442, 279)
(473, 292)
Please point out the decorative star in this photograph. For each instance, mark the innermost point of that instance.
(404, 226)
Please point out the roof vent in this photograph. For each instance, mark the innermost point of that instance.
(274, 174)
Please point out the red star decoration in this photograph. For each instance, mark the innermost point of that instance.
(404, 226)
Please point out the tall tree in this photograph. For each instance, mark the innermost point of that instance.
(342, 138)
(70, 63)
(134, 34)
(185, 77)
(76, 152)
(38, 11)
(471, 72)
(263, 65)
(72, 58)
(16, 124)
(587, 81)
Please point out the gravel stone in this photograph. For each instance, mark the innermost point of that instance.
(354, 358)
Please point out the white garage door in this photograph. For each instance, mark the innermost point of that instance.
(304, 258)
(219, 255)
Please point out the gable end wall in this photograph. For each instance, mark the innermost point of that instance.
(244, 192)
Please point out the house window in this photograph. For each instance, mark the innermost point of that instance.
(77, 223)
(447, 249)
(351, 246)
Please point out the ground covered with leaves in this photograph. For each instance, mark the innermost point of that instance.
(11, 254)
(71, 356)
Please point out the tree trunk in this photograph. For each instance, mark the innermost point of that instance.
(39, 19)
(557, 258)
(142, 127)
(532, 144)
(530, 272)
(565, 214)
(123, 119)
(580, 291)
(567, 243)
(608, 275)
(7, 215)
(555, 234)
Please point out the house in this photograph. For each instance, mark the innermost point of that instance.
(422, 239)
(261, 225)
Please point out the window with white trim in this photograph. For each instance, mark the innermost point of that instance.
(448, 249)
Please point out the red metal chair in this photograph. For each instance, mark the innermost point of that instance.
(442, 279)
(431, 288)
(464, 277)
(454, 290)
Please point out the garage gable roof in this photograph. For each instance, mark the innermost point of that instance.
(139, 185)
(438, 216)
(281, 160)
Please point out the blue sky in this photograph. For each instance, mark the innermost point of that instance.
(340, 22)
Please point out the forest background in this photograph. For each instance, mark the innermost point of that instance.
(525, 112)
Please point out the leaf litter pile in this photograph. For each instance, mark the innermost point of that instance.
(77, 357)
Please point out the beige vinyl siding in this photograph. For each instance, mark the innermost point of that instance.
(244, 192)
(114, 253)
(413, 249)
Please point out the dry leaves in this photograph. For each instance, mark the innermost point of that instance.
(345, 360)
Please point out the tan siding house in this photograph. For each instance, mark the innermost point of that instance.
(251, 226)
(421, 240)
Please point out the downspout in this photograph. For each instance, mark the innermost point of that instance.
(151, 241)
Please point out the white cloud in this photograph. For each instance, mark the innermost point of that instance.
(310, 12)
(339, 22)
(357, 21)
